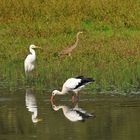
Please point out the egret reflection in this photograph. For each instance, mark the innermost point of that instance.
(73, 114)
(31, 105)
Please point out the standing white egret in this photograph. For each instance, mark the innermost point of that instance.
(29, 63)
(74, 85)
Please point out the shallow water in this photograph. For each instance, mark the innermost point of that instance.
(29, 114)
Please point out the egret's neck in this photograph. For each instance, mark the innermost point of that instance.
(32, 51)
(34, 115)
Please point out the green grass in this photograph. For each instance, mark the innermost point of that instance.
(108, 49)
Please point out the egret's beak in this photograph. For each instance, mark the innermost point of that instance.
(37, 120)
(38, 47)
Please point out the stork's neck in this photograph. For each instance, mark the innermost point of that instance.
(60, 92)
(64, 108)
(59, 107)
(32, 51)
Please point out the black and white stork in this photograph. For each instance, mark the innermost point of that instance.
(74, 85)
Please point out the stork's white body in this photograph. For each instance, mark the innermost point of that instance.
(70, 85)
(74, 85)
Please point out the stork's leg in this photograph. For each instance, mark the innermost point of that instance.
(73, 99)
(77, 97)
(76, 105)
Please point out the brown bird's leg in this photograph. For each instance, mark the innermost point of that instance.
(70, 56)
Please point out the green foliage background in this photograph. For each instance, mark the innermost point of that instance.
(108, 50)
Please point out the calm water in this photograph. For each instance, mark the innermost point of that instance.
(28, 114)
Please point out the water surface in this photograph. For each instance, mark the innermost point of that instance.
(28, 114)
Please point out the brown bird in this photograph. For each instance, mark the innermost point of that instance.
(67, 51)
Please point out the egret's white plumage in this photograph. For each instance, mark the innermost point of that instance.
(73, 84)
(29, 63)
(73, 114)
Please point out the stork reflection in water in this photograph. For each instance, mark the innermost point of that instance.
(73, 114)
(31, 105)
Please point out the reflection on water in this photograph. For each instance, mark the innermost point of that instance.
(31, 104)
(73, 114)
(117, 118)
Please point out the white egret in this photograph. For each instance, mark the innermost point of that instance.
(74, 85)
(29, 63)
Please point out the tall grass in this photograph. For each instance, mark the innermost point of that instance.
(108, 50)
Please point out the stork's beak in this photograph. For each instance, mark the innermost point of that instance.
(52, 98)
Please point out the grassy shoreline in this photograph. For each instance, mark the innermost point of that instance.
(108, 50)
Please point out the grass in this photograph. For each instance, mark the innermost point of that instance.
(108, 50)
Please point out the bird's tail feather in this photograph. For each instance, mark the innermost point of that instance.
(91, 79)
(85, 79)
